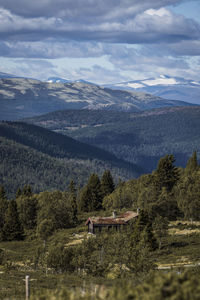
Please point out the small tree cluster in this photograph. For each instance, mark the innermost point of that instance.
(92, 194)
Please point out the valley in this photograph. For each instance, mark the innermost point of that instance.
(140, 138)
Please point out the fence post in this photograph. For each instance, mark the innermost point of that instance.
(27, 287)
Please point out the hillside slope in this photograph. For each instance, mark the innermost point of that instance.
(47, 160)
(140, 138)
(20, 98)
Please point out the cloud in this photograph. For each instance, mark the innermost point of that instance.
(126, 22)
(83, 10)
(51, 49)
(135, 36)
(32, 68)
(96, 74)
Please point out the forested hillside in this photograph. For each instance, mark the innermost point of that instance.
(47, 160)
(140, 138)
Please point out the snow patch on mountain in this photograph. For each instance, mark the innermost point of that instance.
(160, 81)
(171, 88)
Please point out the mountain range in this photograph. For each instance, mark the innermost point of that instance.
(22, 97)
(173, 88)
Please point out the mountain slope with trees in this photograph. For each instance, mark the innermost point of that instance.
(140, 138)
(47, 160)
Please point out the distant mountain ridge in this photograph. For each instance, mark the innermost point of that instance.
(173, 88)
(21, 98)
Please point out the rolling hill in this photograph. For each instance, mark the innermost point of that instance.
(140, 138)
(33, 155)
(21, 98)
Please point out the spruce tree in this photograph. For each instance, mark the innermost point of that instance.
(143, 224)
(73, 203)
(3, 208)
(12, 229)
(27, 191)
(94, 186)
(107, 184)
(18, 193)
(192, 164)
(27, 209)
(166, 174)
(2, 192)
(84, 199)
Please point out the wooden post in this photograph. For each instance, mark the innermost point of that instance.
(27, 287)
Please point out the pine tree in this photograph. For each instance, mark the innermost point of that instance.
(2, 192)
(18, 193)
(84, 199)
(3, 208)
(192, 164)
(27, 191)
(72, 197)
(107, 184)
(143, 224)
(94, 186)
(27, 209)
(166, 174)
(12, 229)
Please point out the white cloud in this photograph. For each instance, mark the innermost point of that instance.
(136, 37)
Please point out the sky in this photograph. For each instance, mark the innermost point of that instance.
(102, 41)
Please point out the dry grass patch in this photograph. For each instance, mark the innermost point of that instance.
(177, 231)
(184, 222)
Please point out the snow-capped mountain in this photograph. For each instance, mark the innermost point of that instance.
(173, 88)
(57, 80)
(20, 98)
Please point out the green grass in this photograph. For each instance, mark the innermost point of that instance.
(20, 256)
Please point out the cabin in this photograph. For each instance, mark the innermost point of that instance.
(96, 224)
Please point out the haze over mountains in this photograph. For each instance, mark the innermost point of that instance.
(22, 97)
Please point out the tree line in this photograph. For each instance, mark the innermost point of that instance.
(168, 191)
(50, 210)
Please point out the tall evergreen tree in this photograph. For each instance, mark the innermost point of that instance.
(107, 184)
(84, 199)
(27, 208)
(18, 193)
(192, 164)
(90, 197)
(142, 226)
(2, 192)
(12, 229)
(166, 174)
(27, 191)
(73, 203)
(94, 185)
(3, 208)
